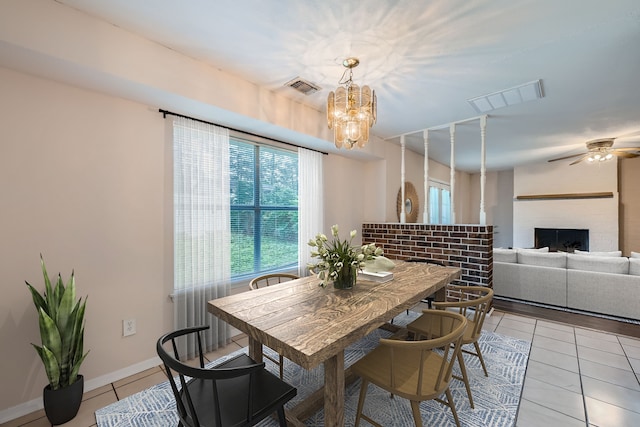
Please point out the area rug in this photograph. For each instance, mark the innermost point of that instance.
(496, 397)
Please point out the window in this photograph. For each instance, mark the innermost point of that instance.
(439, 203)
(264, 208)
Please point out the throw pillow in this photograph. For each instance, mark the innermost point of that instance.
(602, 264)
(635, 254)
(505, 255)
(610, 253)
(543, 249)
(543, 259)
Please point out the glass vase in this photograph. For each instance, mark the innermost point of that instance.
(346, 277)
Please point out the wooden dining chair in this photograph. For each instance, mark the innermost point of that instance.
(237, 392)
(414, 370)
(266, 280)
(473, 302)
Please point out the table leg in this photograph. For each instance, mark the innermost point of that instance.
(334, 391)
(441, 294)
(255, 350)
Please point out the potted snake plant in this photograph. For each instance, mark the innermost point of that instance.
(61, 321)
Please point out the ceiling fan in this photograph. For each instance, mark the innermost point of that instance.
(599, 150)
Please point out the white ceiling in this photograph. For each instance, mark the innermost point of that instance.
(425, 59)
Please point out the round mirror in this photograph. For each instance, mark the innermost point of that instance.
(411, 205)
(407, 206)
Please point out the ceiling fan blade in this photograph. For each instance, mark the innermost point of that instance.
(624, 154)
(627, 149)
(566, 157)
(627, 135)
(585, 155)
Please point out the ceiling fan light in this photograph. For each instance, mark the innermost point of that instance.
(609, 156)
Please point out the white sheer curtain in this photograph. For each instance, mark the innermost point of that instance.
(310, 204)
(202, 232)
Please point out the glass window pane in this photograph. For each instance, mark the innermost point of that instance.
(446, 206)
(242, 244)
(434, 205)
(278, 177)
(242, 173)
(279, 239)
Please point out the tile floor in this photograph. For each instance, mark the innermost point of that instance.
(575, 377)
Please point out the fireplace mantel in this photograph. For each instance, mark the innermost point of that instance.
(566, 196)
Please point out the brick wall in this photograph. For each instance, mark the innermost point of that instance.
(469, 247)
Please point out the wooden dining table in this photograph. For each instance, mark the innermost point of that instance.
(312, 325)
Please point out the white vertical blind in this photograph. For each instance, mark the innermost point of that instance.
(202, 234)
(310, 204)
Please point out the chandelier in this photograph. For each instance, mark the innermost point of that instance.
(351, 110)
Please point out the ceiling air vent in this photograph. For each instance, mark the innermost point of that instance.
(303, 86)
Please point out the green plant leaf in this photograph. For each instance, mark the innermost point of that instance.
(66, 308)
(50, 365)
(49, 334)
(76, 368)
(48, 291)
(38, 301)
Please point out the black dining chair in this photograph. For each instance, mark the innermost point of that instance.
(237, 392)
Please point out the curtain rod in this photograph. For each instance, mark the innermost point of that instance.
(165, 113)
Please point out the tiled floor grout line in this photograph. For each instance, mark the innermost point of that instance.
(584, 397)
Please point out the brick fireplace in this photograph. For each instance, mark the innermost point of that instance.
(469, 247)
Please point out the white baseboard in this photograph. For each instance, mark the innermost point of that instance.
(21, 410)
(111, 377)
(25, 408)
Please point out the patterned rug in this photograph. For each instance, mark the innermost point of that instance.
(496, 398)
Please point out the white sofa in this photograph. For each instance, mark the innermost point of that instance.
(604, 283)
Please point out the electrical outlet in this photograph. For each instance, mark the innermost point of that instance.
(128, 327)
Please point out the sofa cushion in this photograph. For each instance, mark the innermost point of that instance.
(543, 249)
(634, 266)
(543, 259)
(505, 255)
(611, 253)
(617, 265)
(635, 254)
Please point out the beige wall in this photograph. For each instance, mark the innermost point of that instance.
(629, 172)
(82, 182)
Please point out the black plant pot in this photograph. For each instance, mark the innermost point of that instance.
(62, 405)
